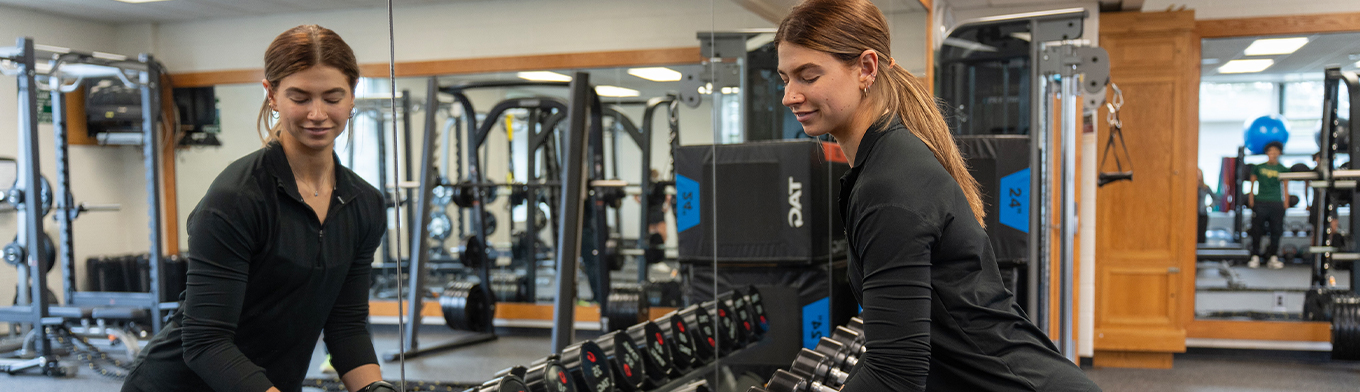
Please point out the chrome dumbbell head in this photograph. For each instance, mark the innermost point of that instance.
(838, 353)
(817, 367)
(783, 381)
(854, 341)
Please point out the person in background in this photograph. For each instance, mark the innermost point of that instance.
(1268, 203)
(1204, 191)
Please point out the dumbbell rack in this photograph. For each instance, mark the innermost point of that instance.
(824, 369)
(612, 362)
(1323, 180)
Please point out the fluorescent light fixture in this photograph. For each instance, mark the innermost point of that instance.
(615, 91)
(139, 1)
(656, 74)
(1275, 46)
(1245, 66)
(543, 76)
(731, 90)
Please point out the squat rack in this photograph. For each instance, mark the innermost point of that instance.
(33, 307)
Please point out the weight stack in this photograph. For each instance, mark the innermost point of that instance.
(1000, 164)
(775, 202)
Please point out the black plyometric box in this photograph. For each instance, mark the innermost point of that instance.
(759, 202)
(1000, 164)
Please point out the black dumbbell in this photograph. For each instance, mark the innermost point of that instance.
(548, 377)
(656, 356)
(757, 307)
(508, 383)
(853, 341)
(680, 341)
(543, 375)
(837, 352)
(588, 367)
(783, 381)
(817, 367)
(729, 336)
(624, 359)
(741, 315)
(703, 331)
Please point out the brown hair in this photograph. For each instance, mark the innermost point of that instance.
(298, 49)
(845, 29)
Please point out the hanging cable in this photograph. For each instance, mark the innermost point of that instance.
(392, 82)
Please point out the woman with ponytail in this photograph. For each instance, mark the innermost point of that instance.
(281, 246)
(936, 315)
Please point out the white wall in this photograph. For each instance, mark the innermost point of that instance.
(1228, 9)
(449, 31)
(99, 175)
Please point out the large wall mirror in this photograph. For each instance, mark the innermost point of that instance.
(1262, 112)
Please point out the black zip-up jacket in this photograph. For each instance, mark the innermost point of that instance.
(266, 277)
(936, 315)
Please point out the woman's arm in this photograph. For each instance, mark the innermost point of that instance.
(895, 245)
(346, 329)
(218, 270)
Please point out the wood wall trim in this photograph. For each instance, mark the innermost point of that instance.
(212, 78)
(1297, 331)
(1139, 22)
(607, 59)
(1278, 25)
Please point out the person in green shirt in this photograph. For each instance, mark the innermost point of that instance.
(1267, 206)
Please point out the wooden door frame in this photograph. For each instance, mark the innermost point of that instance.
(1252, 27)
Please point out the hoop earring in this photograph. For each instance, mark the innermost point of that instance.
(274, 114)
(353, 112)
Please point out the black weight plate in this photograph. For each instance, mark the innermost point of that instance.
(45, 193)
(656, 355)
(49, 255)
(624, 360)
(588, 367)
(625, 309)
(466, 308)
(1346, 327)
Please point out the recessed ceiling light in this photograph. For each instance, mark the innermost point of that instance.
(656, 74)
(543, 76)
(615, 91)
(139, 1)
(1275, 46)
(1246, 66)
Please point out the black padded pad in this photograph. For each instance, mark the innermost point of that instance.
(70, 312)
(119, 313)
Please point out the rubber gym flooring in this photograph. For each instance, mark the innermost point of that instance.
(1200, 370)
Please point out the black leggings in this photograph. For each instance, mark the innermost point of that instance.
(1267, 215)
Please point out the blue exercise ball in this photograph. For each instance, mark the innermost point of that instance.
(1263, 130)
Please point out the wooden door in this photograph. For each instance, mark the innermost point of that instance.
(1145, 255)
